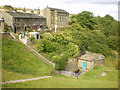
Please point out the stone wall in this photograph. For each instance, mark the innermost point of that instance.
(56, 18)
(72, 64)
(90, 64)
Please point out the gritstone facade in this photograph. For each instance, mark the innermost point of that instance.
(54, 16)
(20, 21)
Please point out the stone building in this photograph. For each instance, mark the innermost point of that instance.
(21, 21)
(85, 62)
(56, 17)
(89, 60)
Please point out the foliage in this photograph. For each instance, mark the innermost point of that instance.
(73, 19)
(32, 38)
(86, 20)
(47, 36)
(48, 46)
(8, 7)
(72, 50)
(86, 33)
(6, 29)
(39, 45)
(60, 61)
(59, 38)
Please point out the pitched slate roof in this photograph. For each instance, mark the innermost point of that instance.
(89, 56)
(58, 10)
(23, 15)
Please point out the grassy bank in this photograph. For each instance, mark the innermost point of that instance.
(19, 63)
(87, 80)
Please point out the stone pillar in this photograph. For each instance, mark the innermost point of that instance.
(25, 40)
(55, 13)
(20, 37)
(55, 28)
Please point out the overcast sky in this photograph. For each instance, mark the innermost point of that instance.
(98, 7)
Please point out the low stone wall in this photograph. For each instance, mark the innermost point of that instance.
(67, 73)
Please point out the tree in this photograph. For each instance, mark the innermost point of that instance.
(73, 19)
(86, 19)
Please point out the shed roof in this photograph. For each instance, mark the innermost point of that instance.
(89, 56)
(24, 15)
(58, 10)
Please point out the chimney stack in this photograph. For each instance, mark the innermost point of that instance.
(38, 11)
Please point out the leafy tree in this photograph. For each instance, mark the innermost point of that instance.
(86, 19)
(73, 19)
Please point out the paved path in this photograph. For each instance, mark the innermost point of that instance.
(24, 80)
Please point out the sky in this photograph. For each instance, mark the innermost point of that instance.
(97, 7)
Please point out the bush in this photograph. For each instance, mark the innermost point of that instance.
(48, 46)
(32, 38)
(5, 29)
(39, 45)
(72, 50)
(47, 36)
(60, 61)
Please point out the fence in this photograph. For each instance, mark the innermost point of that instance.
(68, 73)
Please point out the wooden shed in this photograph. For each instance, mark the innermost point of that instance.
(89, 60)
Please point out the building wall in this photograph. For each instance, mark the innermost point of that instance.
(7, 19)
(1, 26)
(47, 14)
(56, 18)
(72, 64)
(21, 23)
(90, 64)
(63, 19)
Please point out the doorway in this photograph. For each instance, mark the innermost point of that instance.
(84, 65)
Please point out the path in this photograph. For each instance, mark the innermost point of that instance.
(24, 80)
(40, 56)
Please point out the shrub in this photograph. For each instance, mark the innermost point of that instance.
(60, 61)
(32, 38)
(39, 45)
(48, 36)
(48, 46)
(5, 29)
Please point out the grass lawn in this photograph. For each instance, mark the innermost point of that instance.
(19, 63)
(87, 80)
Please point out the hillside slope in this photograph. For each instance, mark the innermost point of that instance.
(20, 63)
